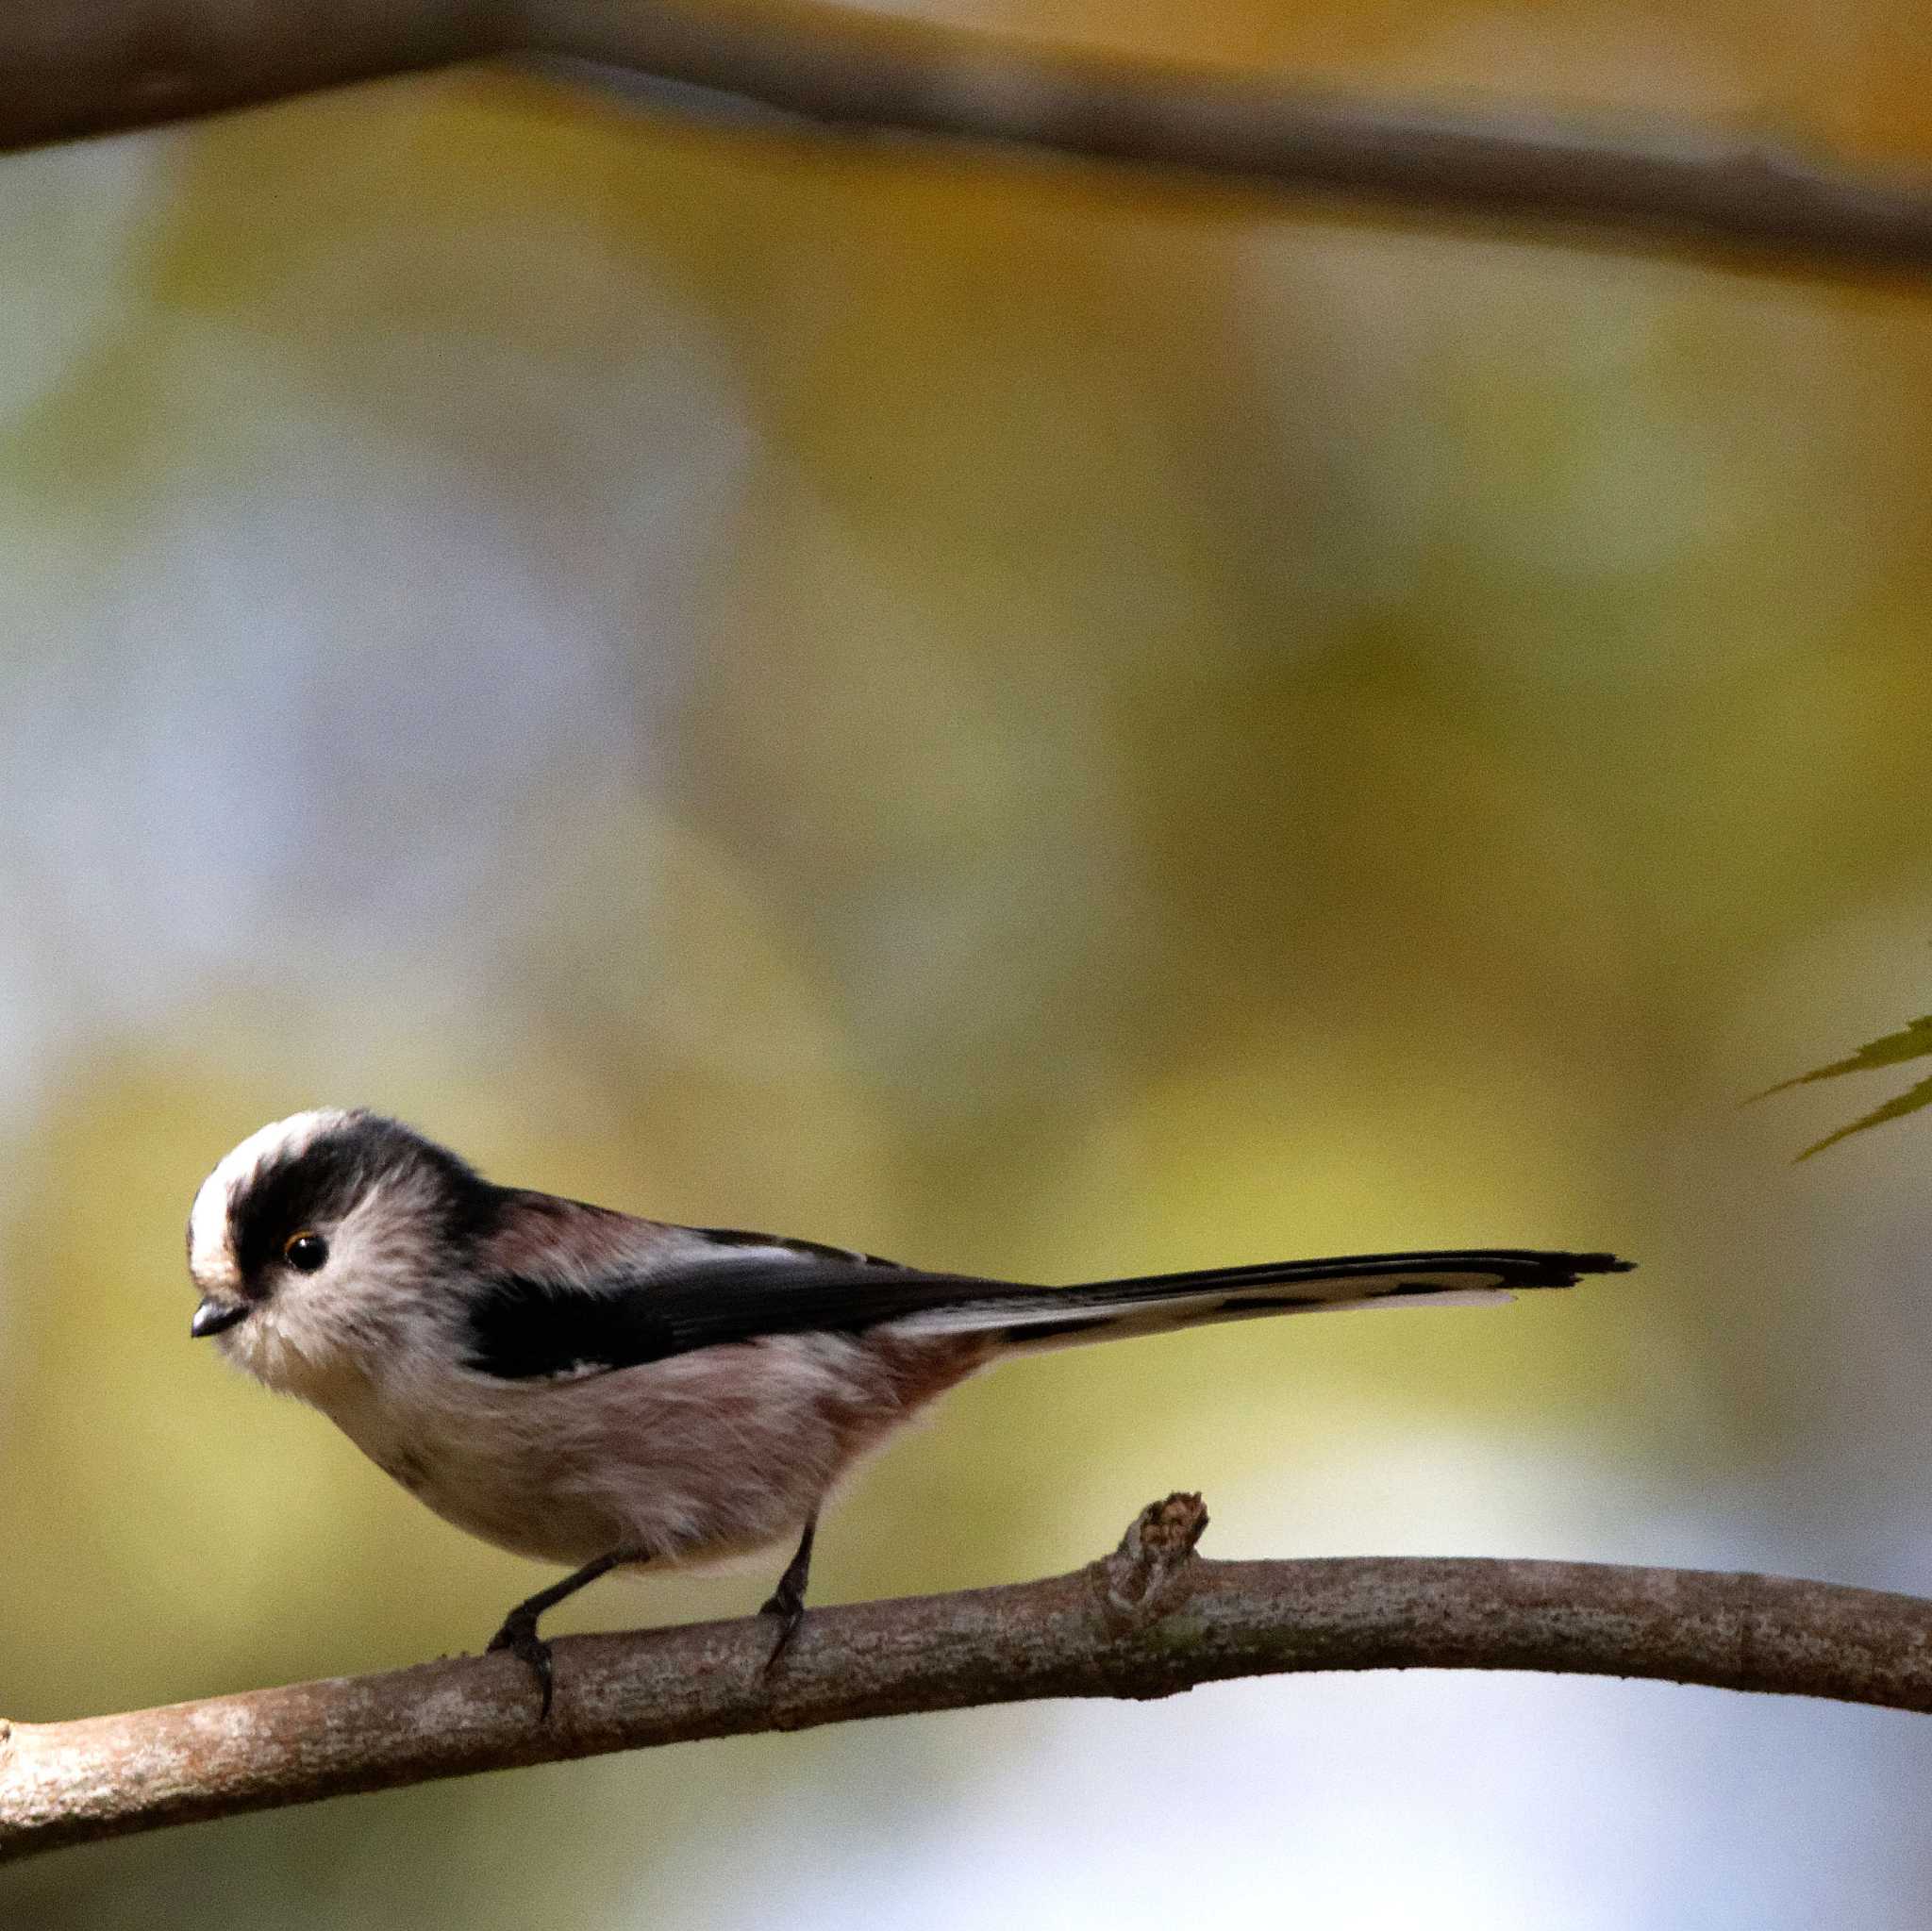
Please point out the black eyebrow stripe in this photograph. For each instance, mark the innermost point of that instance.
(322, 1179)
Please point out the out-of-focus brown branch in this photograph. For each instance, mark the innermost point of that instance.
(79, 67)
(1149, 1620)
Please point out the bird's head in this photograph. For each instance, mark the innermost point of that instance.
(318, 1235)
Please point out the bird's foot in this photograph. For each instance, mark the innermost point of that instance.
(788, 1604)
(519, 1637)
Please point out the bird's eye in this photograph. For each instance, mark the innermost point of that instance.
(304, 1252)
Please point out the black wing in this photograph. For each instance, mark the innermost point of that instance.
(731, 1287)
(521, 1328)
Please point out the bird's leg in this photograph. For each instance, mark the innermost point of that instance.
(519, 1632)
(787, 1601)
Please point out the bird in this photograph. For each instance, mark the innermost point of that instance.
(600, 1390)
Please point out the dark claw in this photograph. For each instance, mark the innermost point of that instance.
(787, 1601)
(788, 1606)
(519, 1632)
(519, 1637)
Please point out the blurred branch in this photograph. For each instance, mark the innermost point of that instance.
(1151, 1619)
(69, 68)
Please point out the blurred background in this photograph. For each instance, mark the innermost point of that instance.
(1031, 719)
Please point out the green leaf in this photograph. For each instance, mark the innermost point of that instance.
(1895, 1109)
(1913, 1042)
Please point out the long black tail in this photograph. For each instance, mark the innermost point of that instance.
(750, 1287)
(1148, 1304)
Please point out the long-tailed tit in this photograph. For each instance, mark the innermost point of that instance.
(594, 1388)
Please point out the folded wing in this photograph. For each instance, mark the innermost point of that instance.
(716, 1288)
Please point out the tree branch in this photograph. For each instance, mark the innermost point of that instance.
(1150, 1621)
(69, 68)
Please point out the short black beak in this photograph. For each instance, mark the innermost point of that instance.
(216, 1317)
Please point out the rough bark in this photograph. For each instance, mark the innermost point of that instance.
(1149, 1620)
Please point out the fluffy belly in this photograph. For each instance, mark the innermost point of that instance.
(694, 1460)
